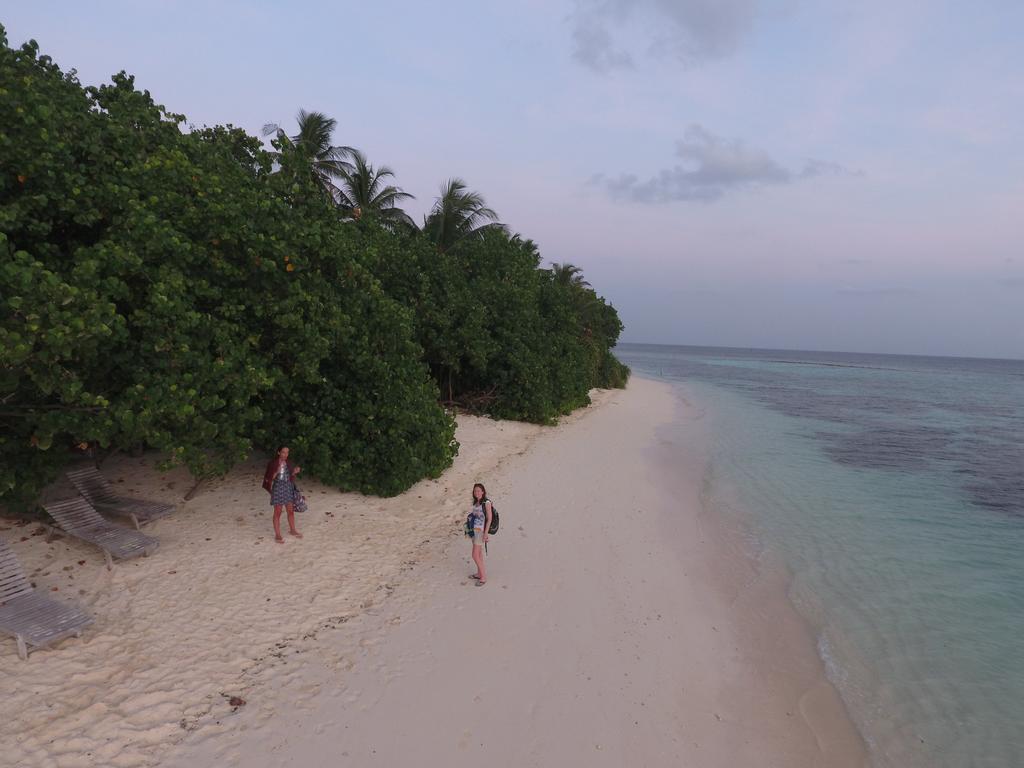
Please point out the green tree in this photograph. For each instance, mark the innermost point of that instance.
(328, 164)
(167, 289)
(114, 337)
(458, 215)
(351, 391)
(569, 275)
(364, 195)
(599, 326)
(500, 335)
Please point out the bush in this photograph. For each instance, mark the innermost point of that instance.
(165, 288)
(500, 334)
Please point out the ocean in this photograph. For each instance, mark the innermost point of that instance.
(893, 489)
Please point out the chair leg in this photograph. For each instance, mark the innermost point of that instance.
(110, 560)
(135, 522)
(22, 648)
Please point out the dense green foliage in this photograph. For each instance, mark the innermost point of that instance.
(499, 333)
(191, 292)
(165, 288)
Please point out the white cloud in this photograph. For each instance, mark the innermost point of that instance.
(711, 167)
(690, 30)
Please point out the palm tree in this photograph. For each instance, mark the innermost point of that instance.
(326, 161)
(569, 275)
(363, 194)
(585, 301)
(458, 215)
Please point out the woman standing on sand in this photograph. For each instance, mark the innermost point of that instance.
(279, 481)
(481, 516)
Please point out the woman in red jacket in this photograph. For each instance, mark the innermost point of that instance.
(279, 481)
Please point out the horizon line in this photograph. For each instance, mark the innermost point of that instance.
(821, 351)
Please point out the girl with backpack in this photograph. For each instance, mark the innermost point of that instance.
(480, 514)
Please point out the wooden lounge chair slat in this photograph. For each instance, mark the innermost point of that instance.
(34, 619)
(91, 483)
(77, 518)
(13, 581)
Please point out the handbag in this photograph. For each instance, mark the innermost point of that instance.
(298, 500)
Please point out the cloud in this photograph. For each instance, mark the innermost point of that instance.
(813, 168)
(712, 166)
(689, 30)
(593, 46)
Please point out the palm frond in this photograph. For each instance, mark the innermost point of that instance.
(459, 214)
(569, 275)
(363, 193)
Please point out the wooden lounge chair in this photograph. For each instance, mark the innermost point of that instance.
(76, 517)
(34, 619)
(98, 492)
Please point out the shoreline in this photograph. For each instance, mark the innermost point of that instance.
(614, 640)
(779, 643)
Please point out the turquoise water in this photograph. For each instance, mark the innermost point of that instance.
(893, 488)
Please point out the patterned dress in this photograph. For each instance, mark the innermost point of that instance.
(283, 490)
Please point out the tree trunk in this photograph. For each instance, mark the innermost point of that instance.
(194, 489)
(100, 456)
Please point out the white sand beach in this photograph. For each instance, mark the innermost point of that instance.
(620, 625)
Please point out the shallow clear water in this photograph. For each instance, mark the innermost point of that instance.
(893, 487)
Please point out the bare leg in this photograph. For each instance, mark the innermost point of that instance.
(478, 558)
(291, 522)
(477, 574)
(277, 524)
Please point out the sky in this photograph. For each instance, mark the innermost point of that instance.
(807, 175)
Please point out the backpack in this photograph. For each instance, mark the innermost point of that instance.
(494, 521)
